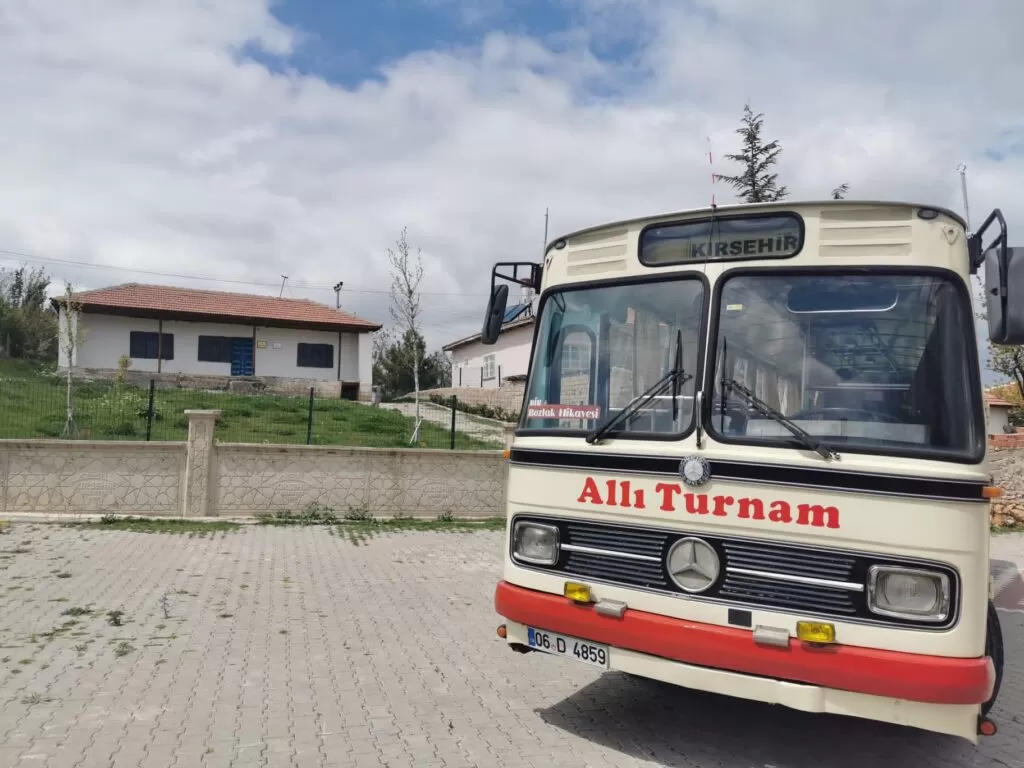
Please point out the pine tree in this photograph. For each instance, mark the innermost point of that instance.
(755, 184)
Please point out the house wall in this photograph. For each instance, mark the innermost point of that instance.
(511, 352)
(997, 417)
(105, 338)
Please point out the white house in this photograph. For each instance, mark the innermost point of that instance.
(997, 413)
(477, 365)
(164, 329)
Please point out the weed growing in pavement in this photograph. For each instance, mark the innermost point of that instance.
(123, 648)
(358, 532)
(157, 525)
(311, 514)
(76, 611)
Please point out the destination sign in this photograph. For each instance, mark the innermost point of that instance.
(735, 238)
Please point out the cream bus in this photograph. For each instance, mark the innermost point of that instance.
(752, 457)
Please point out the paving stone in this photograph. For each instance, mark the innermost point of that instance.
(383, 653)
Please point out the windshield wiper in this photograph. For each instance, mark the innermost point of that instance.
(822, 449)
(674, 379)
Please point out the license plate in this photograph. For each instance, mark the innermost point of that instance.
(550, 642)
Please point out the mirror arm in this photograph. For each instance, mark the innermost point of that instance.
(975, 250)
(533, 281)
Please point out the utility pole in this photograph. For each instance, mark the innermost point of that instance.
(545, 243)
(337, 294)
(284, 279)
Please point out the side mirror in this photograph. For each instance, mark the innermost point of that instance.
(1004, 294)
(495, 314)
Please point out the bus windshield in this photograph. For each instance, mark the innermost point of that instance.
(878, 363)
(599, 347)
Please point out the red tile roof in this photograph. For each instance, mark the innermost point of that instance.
(217, 305)
(997, 401)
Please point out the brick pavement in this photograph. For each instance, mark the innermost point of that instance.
(294, 647)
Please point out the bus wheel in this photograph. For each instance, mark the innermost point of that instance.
(994, 649)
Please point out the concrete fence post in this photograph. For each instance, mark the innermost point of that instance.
(510, 433)
(198, 463)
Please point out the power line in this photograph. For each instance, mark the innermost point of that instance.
(33, 259)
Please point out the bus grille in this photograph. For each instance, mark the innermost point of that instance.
(754, 573)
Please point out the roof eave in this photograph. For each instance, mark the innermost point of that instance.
(276, 322)
(476, 336)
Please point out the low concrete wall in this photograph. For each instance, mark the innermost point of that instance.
(91, 477)
(250, 479)
(201, 478)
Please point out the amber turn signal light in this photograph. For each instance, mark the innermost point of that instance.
(991, 492)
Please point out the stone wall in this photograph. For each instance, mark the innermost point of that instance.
(508, 397)
(56, 476)
(250, 479)
(202, 478)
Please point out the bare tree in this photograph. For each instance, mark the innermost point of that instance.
(381, 341)
(71, 335)
(839, 193)
(406, 274)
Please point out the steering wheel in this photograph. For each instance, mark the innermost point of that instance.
(838, 414)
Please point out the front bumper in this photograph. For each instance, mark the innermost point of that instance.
(931, 692)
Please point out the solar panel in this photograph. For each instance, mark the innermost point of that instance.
(513, 312)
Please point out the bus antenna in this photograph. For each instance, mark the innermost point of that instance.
(962, 168)
(711, 165)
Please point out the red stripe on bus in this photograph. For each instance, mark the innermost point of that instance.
(909, 676)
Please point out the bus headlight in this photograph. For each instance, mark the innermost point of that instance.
(908, 593)
(535, 543)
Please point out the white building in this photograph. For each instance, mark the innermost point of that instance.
(166, 330)
(477, 365)
(997, 413)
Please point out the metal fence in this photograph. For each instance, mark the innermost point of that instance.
(37, 408)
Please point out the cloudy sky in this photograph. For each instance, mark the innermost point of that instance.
(223, 143)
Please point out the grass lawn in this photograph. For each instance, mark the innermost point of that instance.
(33, 405)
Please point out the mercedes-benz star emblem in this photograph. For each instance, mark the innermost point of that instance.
(694, 470)
(693, 565)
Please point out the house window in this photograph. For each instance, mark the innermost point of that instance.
(576, 357)
(315, 356)
(488, 366)
(144, 345)
(216, 349)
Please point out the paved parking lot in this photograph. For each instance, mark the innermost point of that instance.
(297, 647)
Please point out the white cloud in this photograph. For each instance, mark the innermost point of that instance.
(141, 135)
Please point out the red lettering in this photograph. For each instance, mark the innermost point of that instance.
(622, 493)
(697, 504)
(668, 492)
(624, 486)
(721, 502)
(780, 512)
(751, 508)
(590, 494)
(818, 513)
